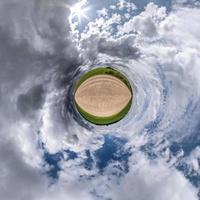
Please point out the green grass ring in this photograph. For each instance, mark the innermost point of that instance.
(103, 120)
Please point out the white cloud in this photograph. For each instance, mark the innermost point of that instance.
(113, 7)
(122, 4)
(146, 22)
(19, 180)
(192, 163)
(103, 12)
(153, 180)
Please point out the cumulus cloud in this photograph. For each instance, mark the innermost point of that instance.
(153, 180)
(126, 5)
(146, 22)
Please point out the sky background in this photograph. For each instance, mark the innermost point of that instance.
(48, 152)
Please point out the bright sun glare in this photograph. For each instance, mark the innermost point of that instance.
(79, 11)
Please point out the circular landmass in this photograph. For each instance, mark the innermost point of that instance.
(103, 96)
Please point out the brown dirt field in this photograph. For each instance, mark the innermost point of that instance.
(102, 95)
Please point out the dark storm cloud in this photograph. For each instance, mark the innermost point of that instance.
(35, 41)
(35, 36)
(32, 100)
(35, 48)
(122, 48)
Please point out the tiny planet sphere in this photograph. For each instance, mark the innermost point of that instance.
(103, 96)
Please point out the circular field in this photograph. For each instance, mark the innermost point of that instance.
(103, 96)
